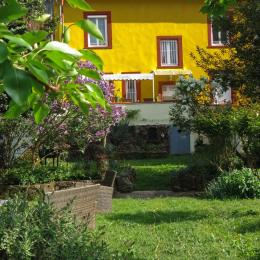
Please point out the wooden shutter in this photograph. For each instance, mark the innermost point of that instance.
(138, 91)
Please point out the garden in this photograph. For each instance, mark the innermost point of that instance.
(65, 190)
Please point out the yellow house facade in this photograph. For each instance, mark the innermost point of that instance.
(147, 44)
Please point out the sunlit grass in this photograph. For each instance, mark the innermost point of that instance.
(154, 174)
(184, 228)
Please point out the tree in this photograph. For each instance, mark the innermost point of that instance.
(31, 66)
(217, 7)
(36, 9)
(237, 65)
(226, 127)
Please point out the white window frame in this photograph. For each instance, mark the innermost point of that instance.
(99, 43)
(131, 95)
(220, 42)
(223, 98)
(168, 51)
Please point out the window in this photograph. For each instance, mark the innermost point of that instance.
(223, 98)
(217, 36)
(169, 51)
(103, 21)
(131, 90)
(167, 90)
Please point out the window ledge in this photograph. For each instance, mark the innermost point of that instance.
(217, 46)
(98, 48)
(170, 67)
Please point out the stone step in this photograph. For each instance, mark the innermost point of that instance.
(156, 194)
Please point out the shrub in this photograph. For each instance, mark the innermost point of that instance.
(24, 173)
(35, 230)
(244, 183)
(193, 178)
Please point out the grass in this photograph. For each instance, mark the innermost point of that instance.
(184, 228)
(154, 174)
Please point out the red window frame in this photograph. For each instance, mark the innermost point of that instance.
(180, 52)
(109, 30)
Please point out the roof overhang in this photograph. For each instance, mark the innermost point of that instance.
(130, 76)
(172, 72)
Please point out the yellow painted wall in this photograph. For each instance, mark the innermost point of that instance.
(135, 26)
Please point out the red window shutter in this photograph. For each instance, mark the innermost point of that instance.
(123, 90)
(138, 90)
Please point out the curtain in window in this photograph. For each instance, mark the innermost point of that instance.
(131, 93)
(169, 52)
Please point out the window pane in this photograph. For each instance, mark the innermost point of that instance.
(169, 52)
(168, 92)
(92, 40)
(101, 23)
(224, 37)
(102, 27)
(219, 36)
(131, 90)
(215, 34)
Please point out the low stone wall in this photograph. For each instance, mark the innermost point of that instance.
(83, 199)
(87, 197)
(104, 199)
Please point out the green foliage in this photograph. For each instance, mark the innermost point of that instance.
(217, 7)
(154, 174)
(237, 66)
(244, 183)
(32, 66)
(32, 15)
(247, 125)
(90, 27)
(35, 230)
(40, 174)
(11, 11)
(80, 4)
(23, 173)
(16, 137)
(189, 93)
(226, 127)
(120, 131)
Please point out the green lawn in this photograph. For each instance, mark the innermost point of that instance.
(154, 174)
(184, 228)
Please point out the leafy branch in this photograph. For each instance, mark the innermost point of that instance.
(31, 65)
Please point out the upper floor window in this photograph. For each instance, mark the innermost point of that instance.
(169, 51)
(217, 36)
(103, 21)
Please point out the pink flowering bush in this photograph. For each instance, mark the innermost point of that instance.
(66, 126)
(94, 127)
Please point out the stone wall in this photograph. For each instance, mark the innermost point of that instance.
(144, 142)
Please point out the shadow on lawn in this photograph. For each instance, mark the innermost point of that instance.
(250, 227)
(158, 217)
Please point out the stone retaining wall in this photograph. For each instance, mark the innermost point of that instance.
(87, 197)
(83, 199)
